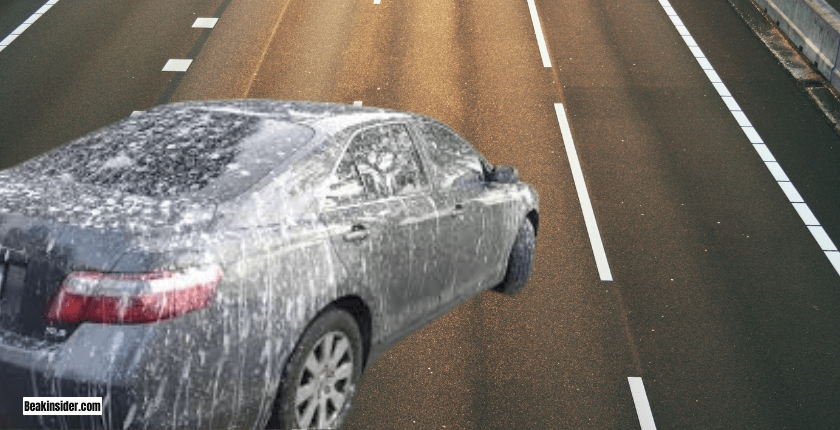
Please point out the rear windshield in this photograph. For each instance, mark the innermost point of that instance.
(168, 153)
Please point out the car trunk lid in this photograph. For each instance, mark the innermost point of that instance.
(50, 227)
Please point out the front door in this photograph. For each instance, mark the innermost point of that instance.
(470, 211)
(384, 221)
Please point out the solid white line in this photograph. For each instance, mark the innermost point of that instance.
(777, 171)
(762, 149)
(46, 7)
(834, 258)
(20, 29)
(721, 89)
(791, 193)
(637, 388)
(805, 213)
(731, 103)
(713, 76)
(741, 118)
(583, 196)
(535, 19)
(704, 63)
(5, 42)
(822, 238)
(689, 41)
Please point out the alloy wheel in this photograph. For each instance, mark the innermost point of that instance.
(322, 387)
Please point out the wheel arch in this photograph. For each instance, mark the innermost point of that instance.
(534, 217)
(359, 310)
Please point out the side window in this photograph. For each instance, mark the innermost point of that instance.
(345, 186)
(387, 161)
(458, 164)
(380, 161)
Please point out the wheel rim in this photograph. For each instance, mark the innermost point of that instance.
(322, 387)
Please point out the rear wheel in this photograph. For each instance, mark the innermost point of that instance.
(520, 261)
(320, 378)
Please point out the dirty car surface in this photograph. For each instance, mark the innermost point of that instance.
(238, 263)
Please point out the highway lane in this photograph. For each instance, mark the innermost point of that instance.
(730, 299)
(721, 301)
(84, 65)
(557, 355)
(808, 150)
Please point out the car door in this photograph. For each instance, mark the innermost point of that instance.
(418, 299)
(381, 218)
(471, 210)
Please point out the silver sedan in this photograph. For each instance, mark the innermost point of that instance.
(239, 263)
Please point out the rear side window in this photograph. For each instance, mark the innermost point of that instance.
(457, 163)
(167, 153)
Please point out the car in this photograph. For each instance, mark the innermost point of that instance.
(238, 263)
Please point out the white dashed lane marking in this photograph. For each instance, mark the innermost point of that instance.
(21, 28)
(181, 65)
(177, 65)
(205, 22)
(793, 196)
(583, 195)
(357, 103)
(637, 388)
(535, 19)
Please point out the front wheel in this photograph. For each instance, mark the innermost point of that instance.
(520, 261)
(320, 378)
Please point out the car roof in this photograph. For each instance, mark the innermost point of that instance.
(328, 118)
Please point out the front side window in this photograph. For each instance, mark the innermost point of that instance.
(345, 187)
(457, 163)
(380, 161)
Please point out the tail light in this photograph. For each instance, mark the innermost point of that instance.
(133, 297)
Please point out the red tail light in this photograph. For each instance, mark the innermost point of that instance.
(133, 297)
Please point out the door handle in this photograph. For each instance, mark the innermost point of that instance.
(357, 233)
(458, 210)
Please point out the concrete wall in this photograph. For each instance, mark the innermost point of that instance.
(814, 26)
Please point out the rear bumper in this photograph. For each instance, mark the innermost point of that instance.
(178, 373)
(73, 369)
(21, 382)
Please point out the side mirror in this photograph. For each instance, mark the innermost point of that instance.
(505, 174)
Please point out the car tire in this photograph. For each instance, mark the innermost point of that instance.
(520, 261)
(320, 378)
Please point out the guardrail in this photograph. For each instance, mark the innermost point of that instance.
(814, 27)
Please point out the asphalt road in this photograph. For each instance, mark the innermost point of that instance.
(721, 300)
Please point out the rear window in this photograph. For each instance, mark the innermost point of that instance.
(168, 153)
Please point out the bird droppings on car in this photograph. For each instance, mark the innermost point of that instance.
(249, 228)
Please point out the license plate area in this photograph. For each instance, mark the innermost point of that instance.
(12, 281)
(12, 289)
